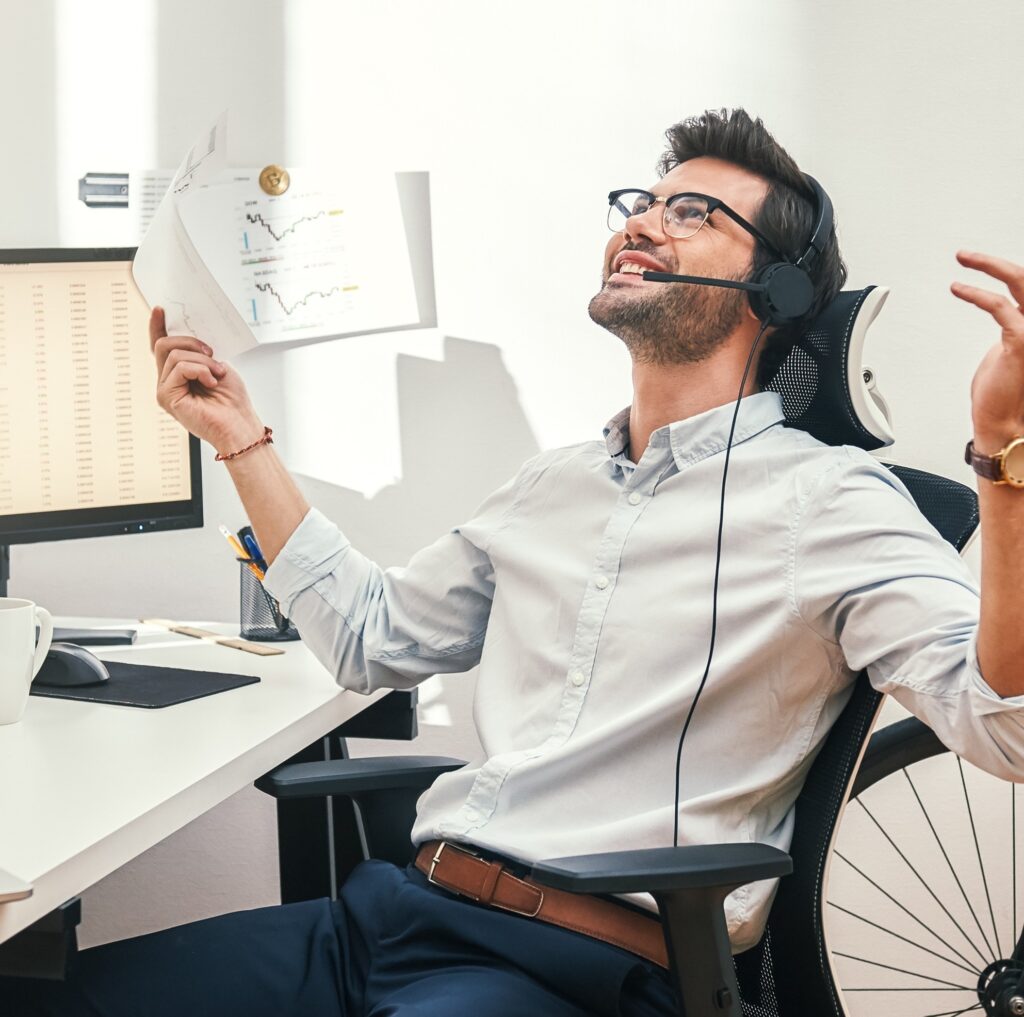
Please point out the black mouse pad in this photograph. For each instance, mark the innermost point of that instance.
(148, 686)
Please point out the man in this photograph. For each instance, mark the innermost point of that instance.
(583, 588)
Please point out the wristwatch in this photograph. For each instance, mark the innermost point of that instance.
(1005, 467)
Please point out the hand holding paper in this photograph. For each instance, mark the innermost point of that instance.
(205, 395)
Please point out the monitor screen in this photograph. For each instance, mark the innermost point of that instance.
(85, 451)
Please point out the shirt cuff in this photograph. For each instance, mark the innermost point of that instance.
(988, 701)
(314, 550)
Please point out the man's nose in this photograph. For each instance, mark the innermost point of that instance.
(649, 224)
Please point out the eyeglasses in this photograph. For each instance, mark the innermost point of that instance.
(684, 213)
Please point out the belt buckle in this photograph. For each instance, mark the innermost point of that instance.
(437, 857)
(433, 862)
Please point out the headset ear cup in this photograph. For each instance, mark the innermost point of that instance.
(788, 293)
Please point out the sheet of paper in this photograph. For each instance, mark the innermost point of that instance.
(326, 258)
(236, 266)
(170, 272)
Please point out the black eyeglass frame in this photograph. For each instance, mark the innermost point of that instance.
(714, 205)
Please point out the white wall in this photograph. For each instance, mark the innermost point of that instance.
(525, 116)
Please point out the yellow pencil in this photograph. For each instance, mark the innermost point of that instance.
(234, 542)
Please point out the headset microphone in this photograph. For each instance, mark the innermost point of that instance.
(701, 280)
(779, 293)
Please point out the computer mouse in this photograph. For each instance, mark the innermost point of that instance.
(68, 665)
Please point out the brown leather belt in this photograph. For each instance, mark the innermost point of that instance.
(456, 869)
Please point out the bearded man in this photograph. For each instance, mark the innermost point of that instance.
(583, 590)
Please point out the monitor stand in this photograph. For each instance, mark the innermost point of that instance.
(84, 637)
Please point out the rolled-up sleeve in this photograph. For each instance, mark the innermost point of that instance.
(872, 575)
(390, 628)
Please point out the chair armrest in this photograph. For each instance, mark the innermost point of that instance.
(658, 870)
(355, 776)
(690, 885)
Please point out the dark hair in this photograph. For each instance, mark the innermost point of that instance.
(786, 216)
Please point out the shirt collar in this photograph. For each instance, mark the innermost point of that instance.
(706, 433)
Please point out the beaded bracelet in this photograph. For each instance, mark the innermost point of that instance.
(267, 439)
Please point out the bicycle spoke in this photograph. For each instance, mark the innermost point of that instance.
(921, 880)
(903, 971)
(907, 988)
(942, 848)
(955, 1013)
(914, 943)
(904, 909)
(977, 848)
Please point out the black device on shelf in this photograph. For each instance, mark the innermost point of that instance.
(84, 449)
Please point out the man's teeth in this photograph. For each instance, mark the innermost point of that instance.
(632, 266)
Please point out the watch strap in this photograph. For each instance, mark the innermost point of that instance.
(989, 467)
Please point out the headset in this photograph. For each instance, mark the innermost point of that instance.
(782, 291)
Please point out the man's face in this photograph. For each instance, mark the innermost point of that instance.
(667, 323)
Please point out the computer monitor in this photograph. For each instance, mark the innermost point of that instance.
(85, 451)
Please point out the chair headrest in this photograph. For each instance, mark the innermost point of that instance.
(826, 389)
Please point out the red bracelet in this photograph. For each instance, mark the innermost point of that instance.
(267, 439)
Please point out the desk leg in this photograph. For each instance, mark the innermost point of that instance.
(303, 839)
(320, 841)
(43, 949)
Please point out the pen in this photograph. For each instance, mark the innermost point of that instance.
(254, 552)
(233, 541)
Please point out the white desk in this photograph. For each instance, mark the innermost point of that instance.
(85, 787)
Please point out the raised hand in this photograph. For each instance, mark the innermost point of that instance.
(206, 396)
(997, 391)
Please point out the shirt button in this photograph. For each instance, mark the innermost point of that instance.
(577, 678)
(601, 582)
(634, 498)
(472, 815)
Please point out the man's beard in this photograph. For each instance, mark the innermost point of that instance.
(671, 323)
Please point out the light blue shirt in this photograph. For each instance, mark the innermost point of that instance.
(582, 588)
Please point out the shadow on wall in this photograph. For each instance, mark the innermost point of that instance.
(463, 434)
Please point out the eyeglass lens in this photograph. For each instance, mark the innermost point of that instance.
(683, 215)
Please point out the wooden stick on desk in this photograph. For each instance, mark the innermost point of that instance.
(212, 637)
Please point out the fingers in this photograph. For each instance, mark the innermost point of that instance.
(157, 326)
(165, 345)
(161, 343)
(998, 268)
(181, 375)
(181, 355)
(1005, 312)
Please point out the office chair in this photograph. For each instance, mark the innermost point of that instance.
(792, 971)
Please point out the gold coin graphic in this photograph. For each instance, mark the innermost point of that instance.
(275, 179)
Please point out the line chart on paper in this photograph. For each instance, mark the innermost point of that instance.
(297, 256)
(327, 258)
(302, 301)
(272, 228)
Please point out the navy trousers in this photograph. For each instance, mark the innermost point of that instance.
(393, 945)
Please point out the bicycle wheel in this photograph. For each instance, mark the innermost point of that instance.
(922, 916)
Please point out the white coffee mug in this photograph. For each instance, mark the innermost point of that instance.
(21, 656)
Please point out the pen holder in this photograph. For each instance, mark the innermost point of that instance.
(261, 617)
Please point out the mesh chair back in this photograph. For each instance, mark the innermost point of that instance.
(789, 973)
(815, 379)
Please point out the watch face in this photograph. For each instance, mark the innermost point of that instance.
(1013, 463)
